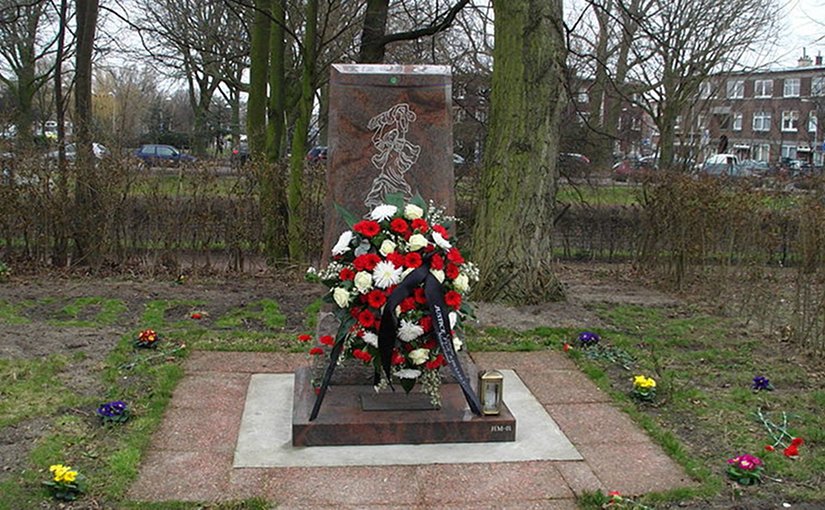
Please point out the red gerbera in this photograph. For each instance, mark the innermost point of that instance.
(366, 262)
(315, 351)
(326, 340)
(441, 230)
(452, 271)
(367, 228)
(366, 318)
(420, 225)
(453, 299)
(304, 338)
(418, 294)
(399, 226)
(426, 323)
(454, 256)
(346, 274)
(396, 258)
(412, 260)
(437, 262)
(397, 358)
(376, 298)
(407, 304)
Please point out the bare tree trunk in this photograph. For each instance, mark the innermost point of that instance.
(258, 74)
(375, 26)
(598, 93)
(60, 252)
(512, 241)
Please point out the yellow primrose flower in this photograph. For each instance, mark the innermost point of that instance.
(641, 381)
(70, 476)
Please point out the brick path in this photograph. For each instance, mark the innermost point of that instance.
(190, 458)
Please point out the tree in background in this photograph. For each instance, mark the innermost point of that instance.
(512, 237)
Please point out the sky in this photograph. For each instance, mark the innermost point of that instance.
(805, 20)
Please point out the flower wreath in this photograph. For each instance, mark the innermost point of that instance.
(394, 256)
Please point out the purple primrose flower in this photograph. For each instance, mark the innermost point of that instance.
(112, 409)
(761, 383)
(587, 338)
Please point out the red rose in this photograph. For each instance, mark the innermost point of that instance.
(407, 304)
(791, 451)
(452, 271)
(399, 226)
(429, 344)
(367, 228)
(315, 351)
(441, 230)
(797, 441)
(454, 256)
(363, 356)
(196, 316)
(327, 340)
(304, 338)
(453, 299)
(376, 298)
(346, 274)
(366, 262)
(397, 358)
(420, 225)
(437, 362)
(437, 262)
(412, 260)
(419, 296)
(396, 258)
(426, 323)
(366, 318)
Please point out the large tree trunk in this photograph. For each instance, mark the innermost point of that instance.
(258, 74)
(60, 252)
(375, 27)
(88, 214)
(512, 241)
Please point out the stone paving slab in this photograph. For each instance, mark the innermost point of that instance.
(617, 455)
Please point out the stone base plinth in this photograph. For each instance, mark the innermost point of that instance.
(342, 420)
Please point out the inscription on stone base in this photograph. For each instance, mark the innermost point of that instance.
(343, 422)
(398, 401)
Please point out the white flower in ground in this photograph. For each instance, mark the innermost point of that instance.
(383, 212)
(439, 275)
(370, 338)
(461, 283)
(409, 331)
(341, 297)
(386, 274)
(407, 373)
(441, 242)
(457, 343)
(387, 247)
(363, 281)
(342, 246)
(416, 242)
(413, 212)
(419, 356)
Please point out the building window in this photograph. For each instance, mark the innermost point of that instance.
(736, 89)
(818, 86)
(790, 120)
(789, 151)
(761, 121)
(762, 152)
(582, 96)
(791, 87)
(763, 88)
(737, 121)
(812, 122)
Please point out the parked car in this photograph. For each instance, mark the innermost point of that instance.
(317, 154)
(240, 155)
(162, 155)
(100, 151)
(640, 169)
(760, 168)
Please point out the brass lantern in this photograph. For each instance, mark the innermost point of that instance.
(490, 390)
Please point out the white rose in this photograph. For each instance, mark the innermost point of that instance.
(439, 275)
(441, 242)
(419, 356)
(387, 247)
(363, 281)
(461, 283)
(416, 242)
(413, 212)
(383, 212)
(341, 297)
(457, 343)
(342, 246)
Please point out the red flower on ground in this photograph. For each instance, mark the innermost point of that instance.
(196, 316)
(420, 225)
(437, 262)
(797, 441)
(454, 256)
(452, 271)
(453, 299)
(791, 451)
(769, 448)
(366, 262)
(412, 260)
(367, 228)
(346, 274)
(315, 351)
(399, 226)
(441, 230)
(366, 318)
(304, 338)
(396, 258)
(327, 340)
(363, 356)
(376, 298)
(566, 347)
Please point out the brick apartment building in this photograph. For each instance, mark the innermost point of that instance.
(774, 116)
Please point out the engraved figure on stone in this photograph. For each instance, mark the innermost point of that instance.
(395, 154)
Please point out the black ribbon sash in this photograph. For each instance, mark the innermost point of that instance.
(388, 331)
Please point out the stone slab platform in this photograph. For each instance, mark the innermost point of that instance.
(342, 419)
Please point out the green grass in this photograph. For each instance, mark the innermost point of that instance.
(106, 312)
(265, 311)
(33, 388)
(10, 313)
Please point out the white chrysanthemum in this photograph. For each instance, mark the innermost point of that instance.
(370, 338)
(457, 343)
(407, 373)
(441, 242)
(419, 356)
(461, 283)
(386, 274)
(387, 247)
(409, 331)
(413, 212)
(416, 242)
(363, 282)
(341, 297)
(383, 212)
(342, 246)
(439, 275)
